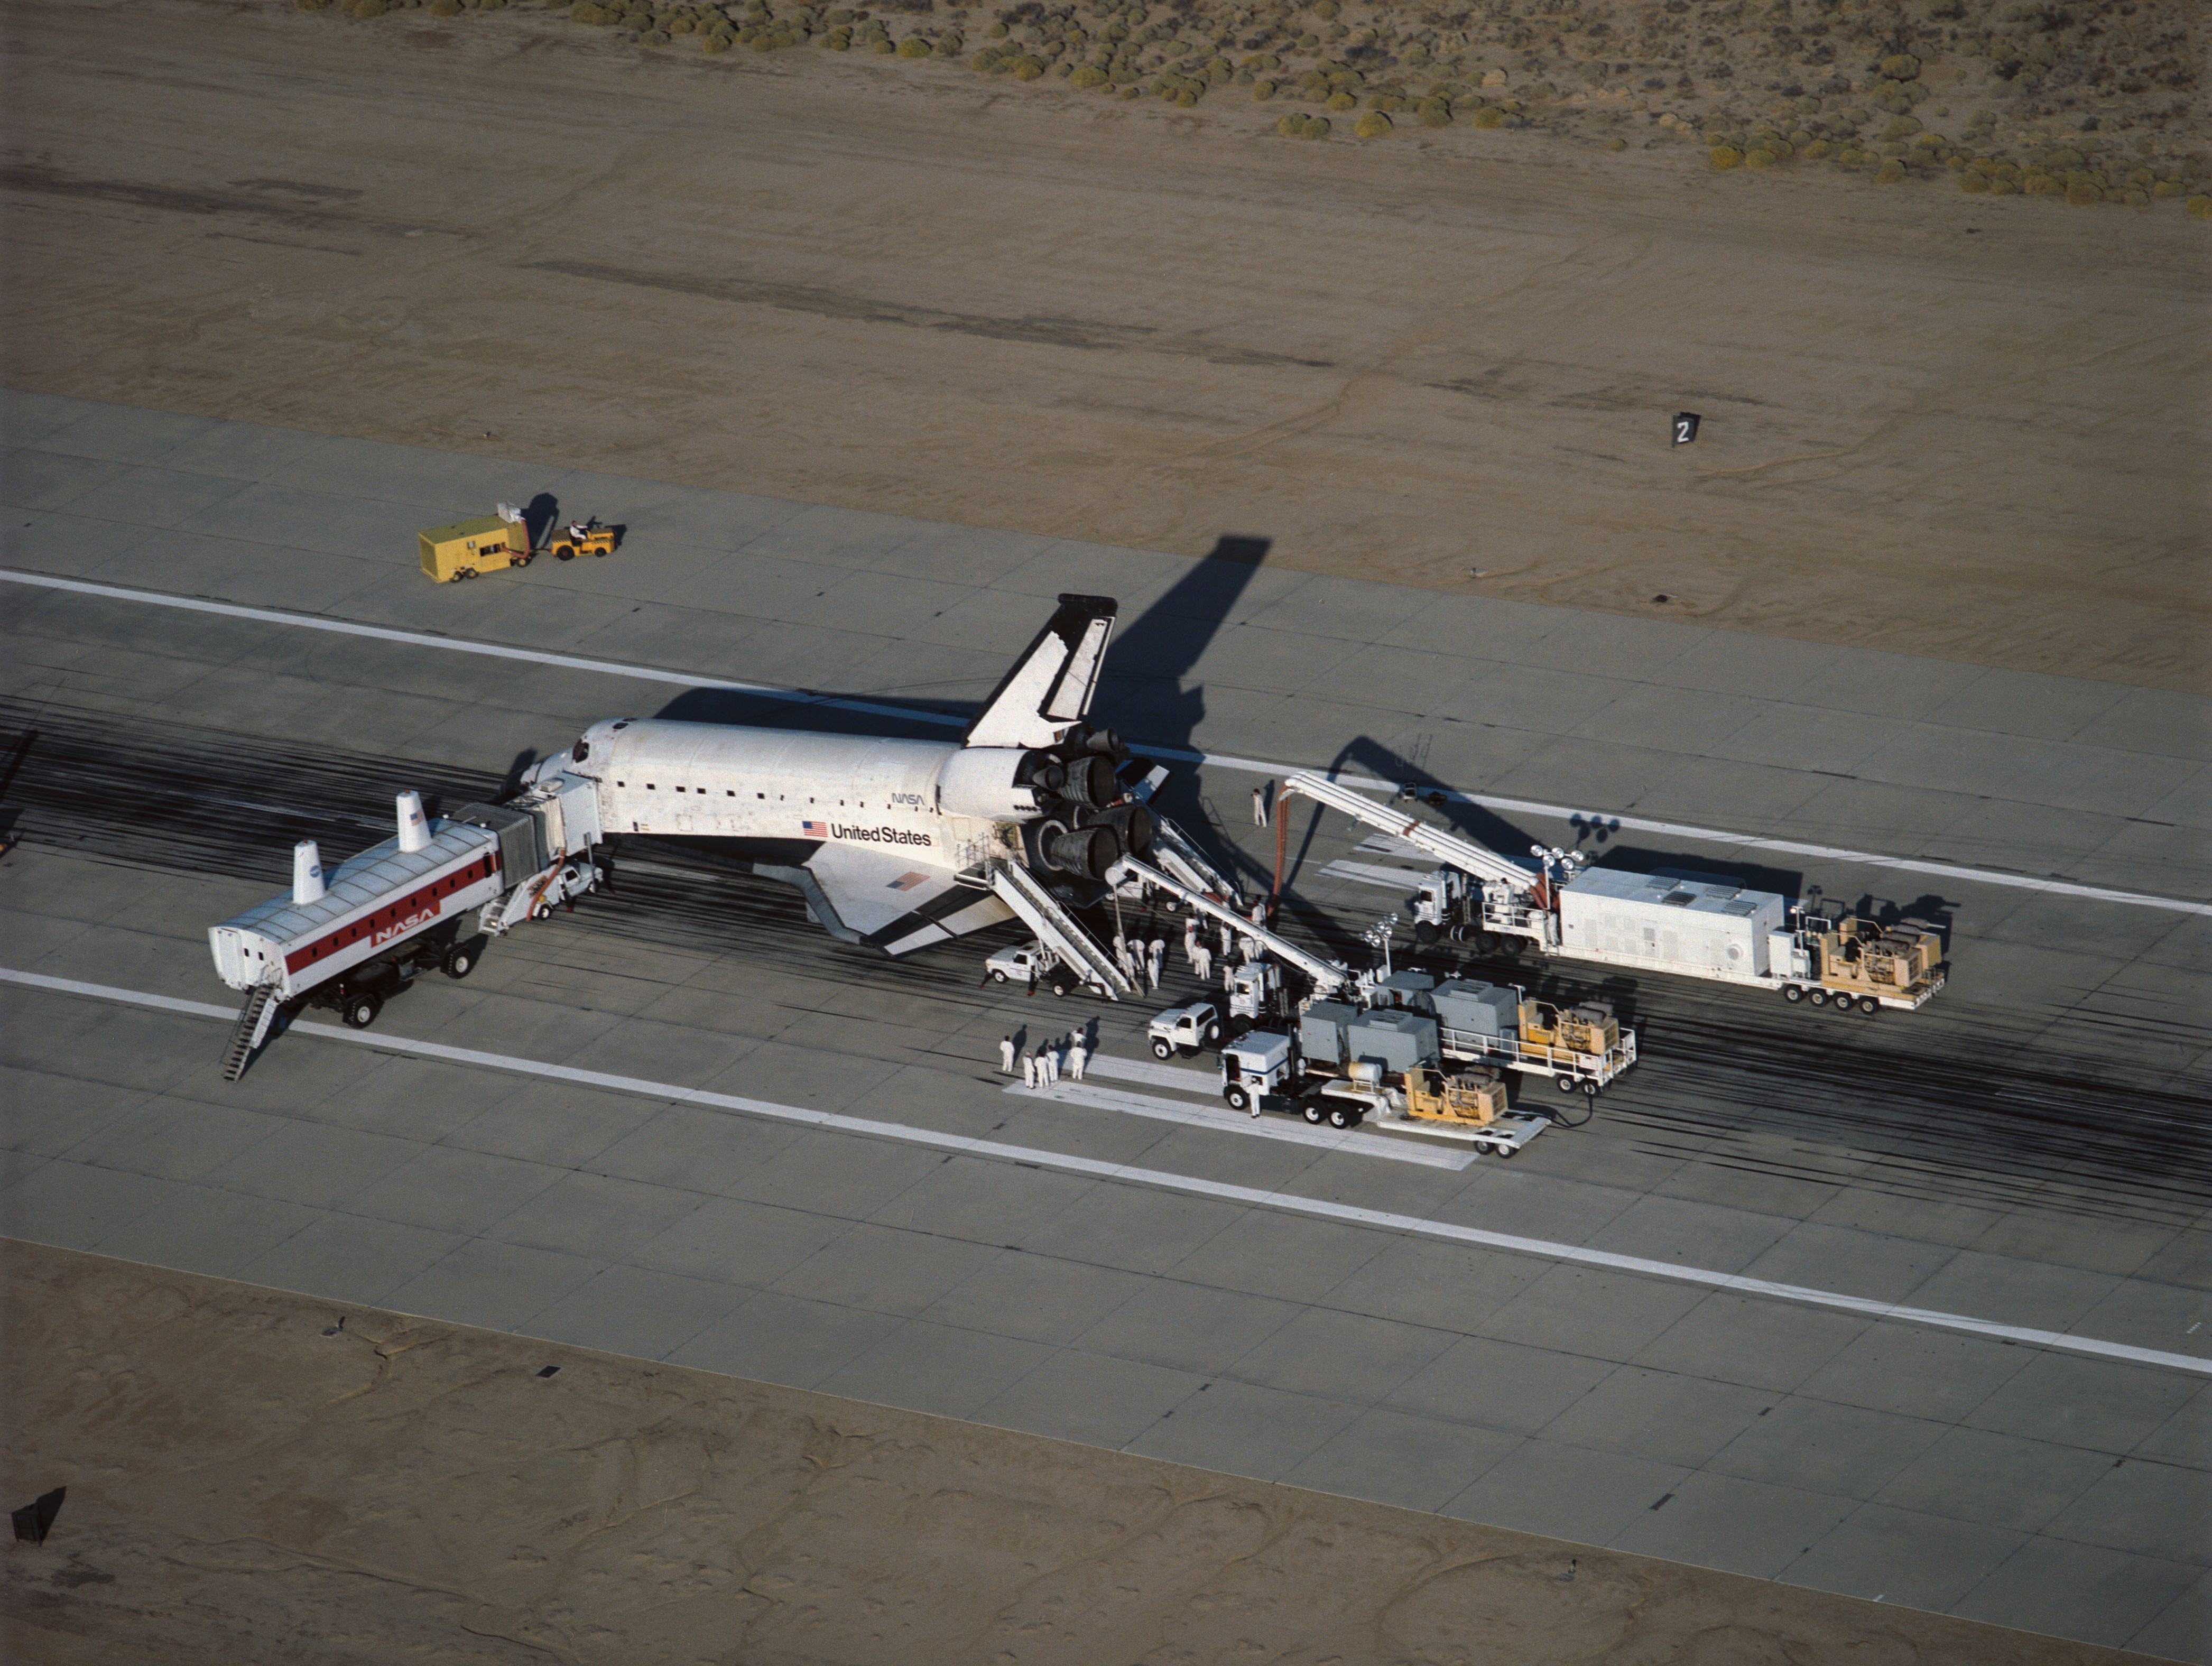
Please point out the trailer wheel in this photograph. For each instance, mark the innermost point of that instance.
(1238, 1098)
(1565, 1083)
(1313, 1114)
(461, 960)
(360, 1011)
(1504, 1153)
(1844, 1004)
(1870, 1005)
(1792, 993)
(1817, 997)
(1161, 1049)
(1590, 1090)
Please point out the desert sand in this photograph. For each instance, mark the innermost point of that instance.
(254, 1475)
(1966, 426)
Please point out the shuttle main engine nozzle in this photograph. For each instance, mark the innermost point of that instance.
(1088, 851)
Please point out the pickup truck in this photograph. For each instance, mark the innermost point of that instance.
(1184, 1031)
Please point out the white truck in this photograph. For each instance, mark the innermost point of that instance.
(1027, 960)
(1687, 925)
(1181, 1031)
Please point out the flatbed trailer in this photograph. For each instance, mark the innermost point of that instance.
(1682, 925)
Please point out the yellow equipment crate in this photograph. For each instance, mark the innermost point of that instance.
(483, 544)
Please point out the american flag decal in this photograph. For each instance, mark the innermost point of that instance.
(905, 882)
(814, 829)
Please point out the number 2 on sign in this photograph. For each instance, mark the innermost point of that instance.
(1685, 428)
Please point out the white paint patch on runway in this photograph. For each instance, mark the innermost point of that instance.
(1349, 1142)
(1749, 842)
(1369, 873)
(1193, 1185)
(1207, 1084)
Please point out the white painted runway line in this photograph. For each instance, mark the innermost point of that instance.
(1287, 1202)
(1749, 842)
(1269, 1125)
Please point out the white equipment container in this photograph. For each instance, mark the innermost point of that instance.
(1665, 922)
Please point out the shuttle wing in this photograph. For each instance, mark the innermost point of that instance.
(887, 900)
(1049, 688)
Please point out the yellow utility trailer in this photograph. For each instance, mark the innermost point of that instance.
(483, 544)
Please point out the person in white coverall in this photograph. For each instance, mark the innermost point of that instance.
(1007, 1056)
(1028, 1070)
(1076, 1054)
(1227, 940)
(1202, 962)
(1159, 956)
(1260, 804)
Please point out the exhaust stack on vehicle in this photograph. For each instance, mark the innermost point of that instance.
(414, 825)
(306, 874)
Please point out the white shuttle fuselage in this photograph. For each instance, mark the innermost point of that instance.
(898, 843)
(948, 804)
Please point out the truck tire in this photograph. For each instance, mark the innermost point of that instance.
(359, 1010)
(1161, 1049)
(1425, 933)
(461, 960)
(1339, 1117)
(1817, 997)
(564, 552)
(1793, 993)
(1212, 1034)
(1060, 986)
(1238, 1098)
(1504, 1153)
(1590, 1090)
(1844, 1004)
(997, 976)
(1313, 1113)
(1565, 1083)
(1870, 1005)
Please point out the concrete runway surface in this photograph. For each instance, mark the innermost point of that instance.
(684, 1124)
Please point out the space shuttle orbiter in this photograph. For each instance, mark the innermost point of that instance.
(902, 843)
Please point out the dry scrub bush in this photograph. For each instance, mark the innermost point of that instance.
(1890, 173)
(1435, 113)
(1343, 101)
(720, 42)
(2081, 194)
(1817, 149)
(1903, 67)
(913, 47)
(1372, 125)
(445, 7)
(1974, 185)
(2200, 206)
(1489, 116)
(1727, 156)
(1087, 77)
(1262, 91)
(1616, 144)
(1757, 158)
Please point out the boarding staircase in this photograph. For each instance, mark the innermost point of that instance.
(254, 1020)
(1057, 929)
(1178, 855)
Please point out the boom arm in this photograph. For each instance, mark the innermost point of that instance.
(1328, 976)
(1446, 848)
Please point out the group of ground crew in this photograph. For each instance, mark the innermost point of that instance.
(1041, 1067)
